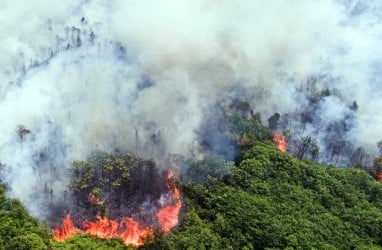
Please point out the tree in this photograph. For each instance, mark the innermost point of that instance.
(377, 169)
(354, 106)
(273, 201)
(22, 131)
(360, 158)
(307, 145)
(18, 230)
(273, 121)
(27, 242)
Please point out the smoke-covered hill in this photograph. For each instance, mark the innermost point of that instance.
(152, 78)
(141, 117)
(270, 200)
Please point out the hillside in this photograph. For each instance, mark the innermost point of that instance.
(196, 124)
(274, 201)
(270, 200)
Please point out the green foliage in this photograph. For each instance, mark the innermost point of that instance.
(269, 201)
(236, 127)
(27, 242)
(274, 201)
(247, 129)
(103, 170)
(196, 235)
(18, 230)
(199, 171)
(85, 242)
(111, 179)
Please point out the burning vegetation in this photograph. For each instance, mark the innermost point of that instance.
(281, 143)
(195, 83)
(316, 132)
(121, 201)
(119, 196)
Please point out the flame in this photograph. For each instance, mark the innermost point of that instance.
(134, 233)
(280, 141)
(379, 177)
(168, 216)
(102, 228)
(128, 230)
(170, 175)
(68, 230)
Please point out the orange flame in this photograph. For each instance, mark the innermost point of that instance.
(102, 228)
(128, 230)
(68, 230)
(280, 141)
(168, 216)
(134, 233)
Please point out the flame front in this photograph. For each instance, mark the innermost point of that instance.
(134, 233)
(68, 230)
(131, 232)
(102, 228)
(168, 216)
(128, 230)
(281, 143)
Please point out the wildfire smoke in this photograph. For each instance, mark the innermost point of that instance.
(164, 67)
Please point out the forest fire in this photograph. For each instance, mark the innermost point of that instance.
(168, 216)
(130, 231)
(281, 143)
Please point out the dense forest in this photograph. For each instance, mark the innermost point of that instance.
(266, 199)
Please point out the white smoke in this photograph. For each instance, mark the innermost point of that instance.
(92, 74)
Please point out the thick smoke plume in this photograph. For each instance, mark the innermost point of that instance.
(79, 76)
